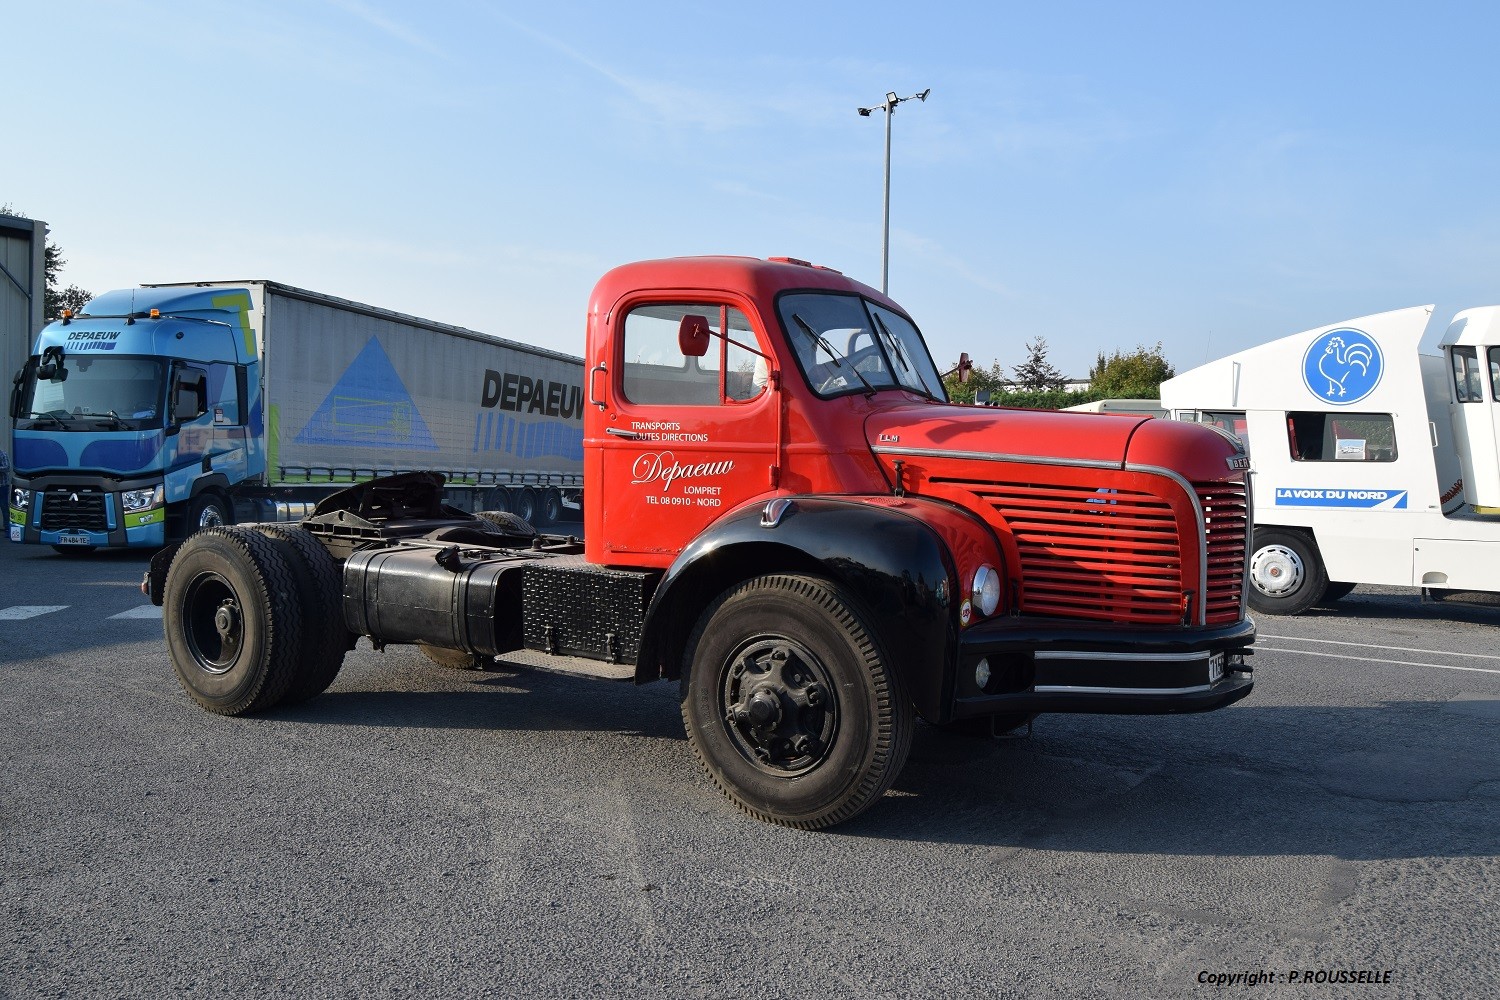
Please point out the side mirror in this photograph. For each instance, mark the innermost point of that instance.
(692, 336)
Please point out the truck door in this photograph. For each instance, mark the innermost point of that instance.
(686, 438)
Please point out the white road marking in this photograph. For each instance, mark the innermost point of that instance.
(1371, 659)
(21, 612)
(144, 611)
(1371, 645)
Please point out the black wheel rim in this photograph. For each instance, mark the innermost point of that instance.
(778, 705)
(215, 623)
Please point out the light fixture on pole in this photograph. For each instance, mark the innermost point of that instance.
(889, 107)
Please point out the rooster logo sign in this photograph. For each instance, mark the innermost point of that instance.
(1342, 366)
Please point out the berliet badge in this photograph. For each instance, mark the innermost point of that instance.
(1237, 463)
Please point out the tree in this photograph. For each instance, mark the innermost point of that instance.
(1137, 375)
(989, 380)
(54, 301)
(1036, 373)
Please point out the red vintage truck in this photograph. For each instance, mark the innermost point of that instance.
(787, 516)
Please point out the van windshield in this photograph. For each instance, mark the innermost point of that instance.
(846, 344)
(125, 393)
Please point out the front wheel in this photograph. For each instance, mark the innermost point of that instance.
(208, 510)
(790, 704)
(1286, 573)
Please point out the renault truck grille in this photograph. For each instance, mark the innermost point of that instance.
(73, 508)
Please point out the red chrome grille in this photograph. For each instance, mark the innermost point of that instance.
(1110, 554)
(1227, 515)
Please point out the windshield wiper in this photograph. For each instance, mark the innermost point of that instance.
(899, 353)
(838, 360)
(120, 425)
(56, 416)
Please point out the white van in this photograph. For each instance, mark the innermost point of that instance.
(1371, 462)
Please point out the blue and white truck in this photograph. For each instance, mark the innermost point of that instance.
(162, 409)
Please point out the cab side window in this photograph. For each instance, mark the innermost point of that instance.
(655, 371)
(1466, 384)
(1341, 437)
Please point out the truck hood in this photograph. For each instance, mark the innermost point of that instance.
(1053, 437)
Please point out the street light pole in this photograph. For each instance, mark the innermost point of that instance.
(889, 107)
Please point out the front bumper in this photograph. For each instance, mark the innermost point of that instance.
(90, 514)
(1048, 665)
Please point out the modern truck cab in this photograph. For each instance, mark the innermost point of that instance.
(122, 413)
(789, 518)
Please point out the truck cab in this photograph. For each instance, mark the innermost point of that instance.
(789, 519)
(141, 409)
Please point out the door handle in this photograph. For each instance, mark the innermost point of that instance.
(592, 398)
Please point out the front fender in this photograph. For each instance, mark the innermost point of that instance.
(894, 565)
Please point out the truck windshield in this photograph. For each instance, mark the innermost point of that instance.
(848, 344)
(121, 394)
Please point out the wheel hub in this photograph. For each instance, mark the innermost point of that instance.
(1276, 571)
(215, 624)
(776, 706)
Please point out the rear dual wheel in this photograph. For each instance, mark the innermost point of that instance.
(253, 617)
(790, 703)
(233, 620)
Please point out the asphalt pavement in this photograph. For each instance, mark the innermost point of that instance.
(420, 831)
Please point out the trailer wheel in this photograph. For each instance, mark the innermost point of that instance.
(507, 522)
(790, 704)
(320, 588)
(497, 498)
(552, 506)
(523, 504)
(232, 620)
(208, 510)
(1286, 574)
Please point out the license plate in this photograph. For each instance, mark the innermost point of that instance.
(73, 540)
(1215, 667)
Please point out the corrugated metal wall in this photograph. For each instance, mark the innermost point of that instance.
(22, 285)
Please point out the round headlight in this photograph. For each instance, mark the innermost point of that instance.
(985, 593)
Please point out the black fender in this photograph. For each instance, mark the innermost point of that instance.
(897, 567)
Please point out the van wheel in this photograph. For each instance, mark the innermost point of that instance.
(1286, 574)
(1335, 591)
(320, 588)
(233, 620)
(790, 705)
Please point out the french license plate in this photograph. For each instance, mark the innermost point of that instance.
(1215, 667)
(72, 539)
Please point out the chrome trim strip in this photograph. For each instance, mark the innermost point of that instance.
(1126, 657)
(1069, 689)
(994, 456)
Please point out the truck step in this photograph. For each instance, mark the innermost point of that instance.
(573, 666)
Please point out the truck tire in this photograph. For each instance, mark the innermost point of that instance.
(208, 510)
(552, 508)
(1286, 574)
(453, 659)
(320, 588)
(232, 620)
(523, 504)
(790, 704)
(507, 522)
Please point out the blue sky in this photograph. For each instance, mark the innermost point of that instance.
(1212, 176)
